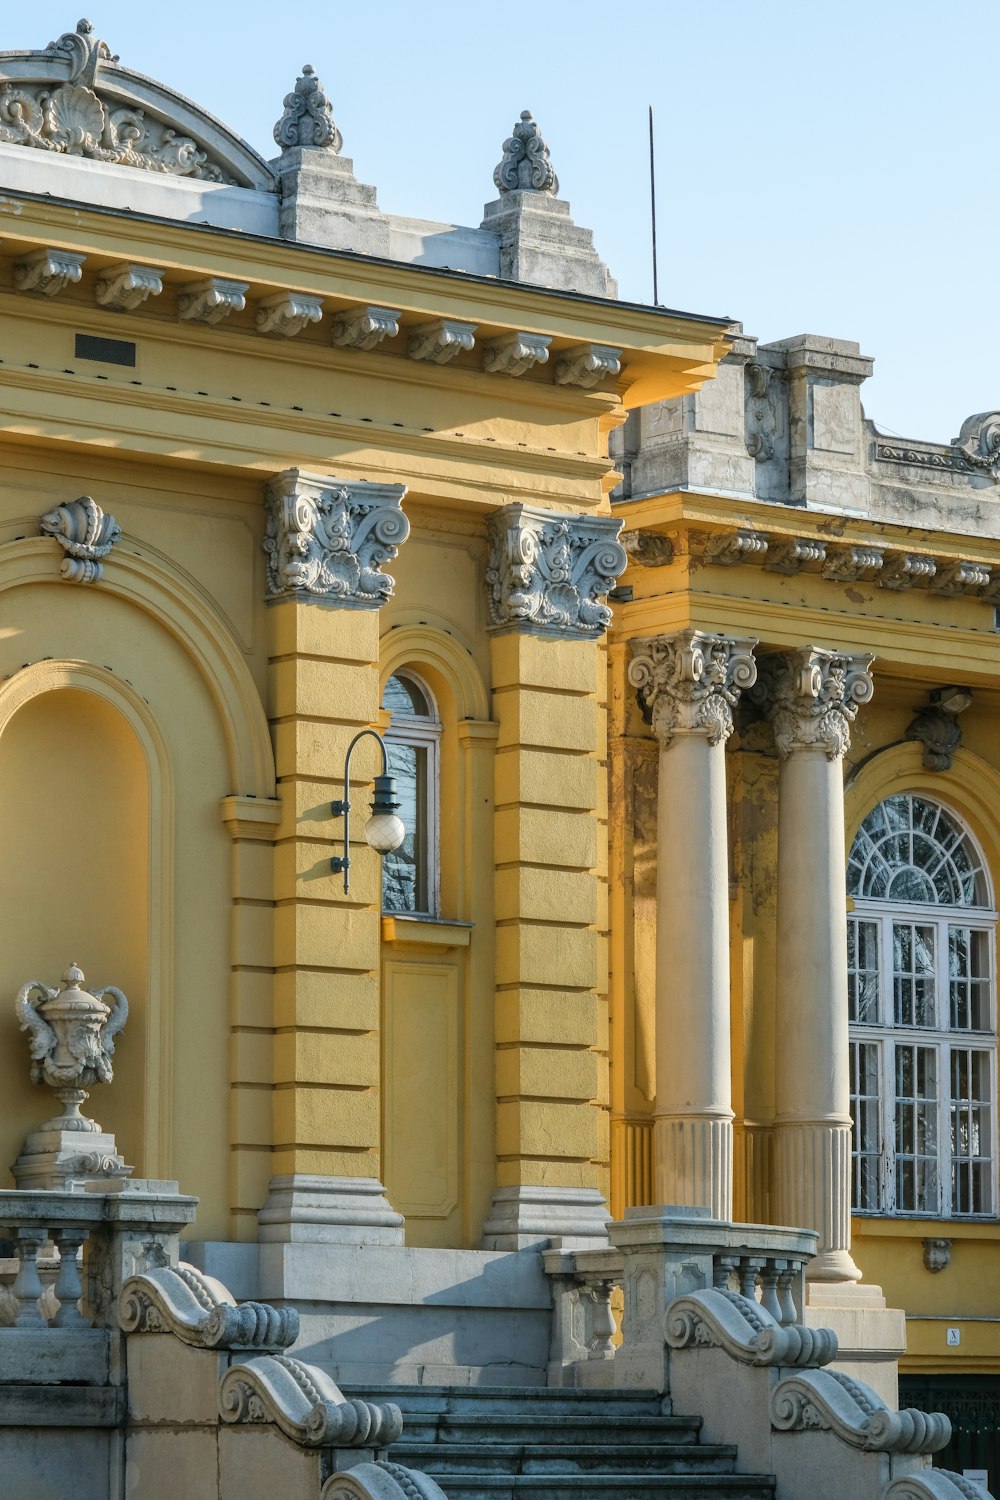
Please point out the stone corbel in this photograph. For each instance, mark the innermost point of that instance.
(441, 340)
(305, 1403)
(587, 365)
(745, 1331)
(516, 353)
(552, 573)
(729, 548)
(937, 1255)
(327, 539)
(957, 578)
(365, 327)
(793, 554)
(831, 1401)
(649, 548)
(287, 313)
(86, 536)
(200, 1311)
(124, 288)
(905, 569)
(937, 729)
(853, 564)
(211, 300)
(48, 272)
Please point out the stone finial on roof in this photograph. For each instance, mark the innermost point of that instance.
(85, 52)
(308, 116)
(525, 166)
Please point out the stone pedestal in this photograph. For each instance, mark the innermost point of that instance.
(52, 1157)
(309, 1208)
(529, 1217)
(323, 203)
(540, 244)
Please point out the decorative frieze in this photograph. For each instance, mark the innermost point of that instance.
(327, 540)
(525, 166)
(124, 288)
(307, 119)
(853, 564)
(648, 548)
(794, 553)
(287, 313)
(924, 458)
(690, 683)
(552, 572)
(365, 327)
(936, 726)
(86, 536)
(956, 578)
(211, 300)
(979, 441)
(516, 353)
(902, 570)
(441, 340)
(587, 365)
(813, 696)
(48, 272)
(728, 548)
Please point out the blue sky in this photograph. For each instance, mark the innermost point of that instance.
(822, 168)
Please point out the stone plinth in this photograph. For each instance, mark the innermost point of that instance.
(308, 1208)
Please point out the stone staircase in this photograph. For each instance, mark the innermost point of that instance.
(538, 1444)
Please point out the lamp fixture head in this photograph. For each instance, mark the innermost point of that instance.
(384, 831)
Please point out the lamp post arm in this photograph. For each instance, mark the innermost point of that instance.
(342, 808)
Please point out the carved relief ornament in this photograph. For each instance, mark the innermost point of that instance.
(691, 682)
(327, 540)
(979, 441)
(552, 572)
(86, 536)
(813, 697)
(308, 116)
(525, 166)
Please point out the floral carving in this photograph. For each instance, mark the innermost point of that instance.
(328, 539)
(515, 353)
(552, 573)
(979, 441)
(525, 166)
(85, 534)
(308, 116)
(813, 698)
(690, 683)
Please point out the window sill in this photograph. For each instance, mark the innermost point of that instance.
(906, 1226)
(425, 932)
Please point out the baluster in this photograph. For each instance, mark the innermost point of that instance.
(68, 1288)
(27, 1286)
(602, 1321)
(722, 1268)
(787, 1272)
(768, 1289)
(750, 1266)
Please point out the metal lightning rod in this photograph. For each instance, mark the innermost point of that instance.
(652, 207)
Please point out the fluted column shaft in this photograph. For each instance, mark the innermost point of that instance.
(691, 681)
(814, 697)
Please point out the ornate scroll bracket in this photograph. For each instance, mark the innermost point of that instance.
(308, 117)
(305, 1403)
(327, 540)
(954, 579)
(793, 555)
(933, 1484)
(745, 1330)
(365, 327)
(201, 1312)
(905, 569)
(690, 682)
(124, 288)
(381, 1480)
(211, 300)
(936, 726)
(587, 365)
(47, 272)
(86, 536)
(525, 166)
(516, 353)
(854, 564)
(979, 441)
(441, 340)
(813, 697)
(728, 549)
(552, 572)
(650, 549)
(828, 1400)
(287, 313)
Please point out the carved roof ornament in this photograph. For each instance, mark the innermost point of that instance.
(812, 696)
(525, 166)
(690, 683)
(85, 534)
(308, 117)
(551, 573)
(327, 539)
(936, 726)
(979, 440)
(85, 52)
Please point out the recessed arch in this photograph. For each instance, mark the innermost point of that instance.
(441, 655)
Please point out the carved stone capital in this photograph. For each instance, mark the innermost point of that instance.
(124, 288)
(525, 165)
(691, 682)
(515, 353)
(441, 340)
(86, 536)
(552, 572)
(365, 327)
(47, 272)
(587, 365)
(211, 300)
(307, 119)
(287, 313)
(813, 696)
(327, 539)
(936, 726)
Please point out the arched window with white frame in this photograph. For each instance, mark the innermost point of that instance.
(922, 998)
(410, 881)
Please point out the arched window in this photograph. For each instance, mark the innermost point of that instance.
(410, 873)
(922, 997)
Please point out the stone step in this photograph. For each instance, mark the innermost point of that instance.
(471, 1459)
(499, 1399)
(547, 1427)
(621, 1486)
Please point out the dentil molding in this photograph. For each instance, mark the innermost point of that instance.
(691, 682)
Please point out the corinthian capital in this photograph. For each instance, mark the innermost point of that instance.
(813, 697)
(327, 539)
(551, 573)
(692, 681)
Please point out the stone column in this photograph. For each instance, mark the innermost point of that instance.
(690, 682)
(813, 697)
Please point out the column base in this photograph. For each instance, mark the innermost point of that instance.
(693, 1158)
(307, 1208)
(529, 1217)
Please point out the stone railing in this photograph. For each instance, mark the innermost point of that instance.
(583, 1319)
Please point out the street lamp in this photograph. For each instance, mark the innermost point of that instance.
(383, 831)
